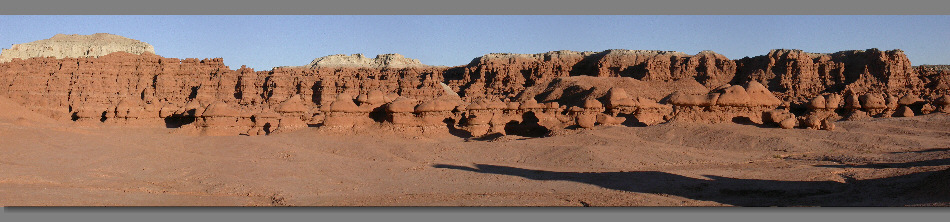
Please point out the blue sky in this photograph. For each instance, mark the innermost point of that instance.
(262, 42)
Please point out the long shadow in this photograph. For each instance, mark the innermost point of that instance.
(738, 192)
(925, 151)
(934, 162)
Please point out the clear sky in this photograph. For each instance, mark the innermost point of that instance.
(263, 42)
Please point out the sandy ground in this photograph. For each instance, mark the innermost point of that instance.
(880, 162)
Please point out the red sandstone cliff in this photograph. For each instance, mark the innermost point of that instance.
(797, 76)
(127, 88)
(505, 75)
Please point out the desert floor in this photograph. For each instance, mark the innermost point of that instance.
(879, 162)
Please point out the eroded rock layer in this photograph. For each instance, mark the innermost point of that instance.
(795, 75)
(521, 94)
(76, 46)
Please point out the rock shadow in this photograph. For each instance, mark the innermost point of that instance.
(742, 120)
(739, 192)
(925, 151)
(631, 120)
(933, 162)
(450, 124)
(178, 120)
(529, 126)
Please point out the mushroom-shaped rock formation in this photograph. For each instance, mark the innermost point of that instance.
(872, 101)
(593, 104)
(193, 108)
(401, 111)
(819, 107)
(759, 95)
(734, 96)
(909, 99)
(265, 122)
(604, 119)
(343, 112)
(547, 114)
(650, 112)
(927, 109)
(130, 111)
(585, 116)
(585, 120)
(891, 102)
(294, 115)
(904, 111)
(729, 102)
(390, 97)
(123, 108)
(833, 101)
(788, 123)
(828, 124)
(220, 119)
(943, 104)
(372, 98)
(852, 102)
(168, 110)
(823, 122)
(777, 116)
(220, 109)
(812, 122)
(479, 117)
(293, 105)
(596, 108)
(344, 104)
(434, 112)
(617, 98)
(817, 103)
(486, 116)
(89, 114)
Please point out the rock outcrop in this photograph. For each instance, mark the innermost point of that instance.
(359, 61)
(726, 104)
(496, 94)
(505, 75)
(76, 46)
(795, 75)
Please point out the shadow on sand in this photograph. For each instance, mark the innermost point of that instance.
(739, 192)
(934, 162)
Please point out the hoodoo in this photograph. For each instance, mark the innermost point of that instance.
(109, 79)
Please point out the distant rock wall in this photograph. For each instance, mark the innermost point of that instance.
(524, 94)
(360, 61)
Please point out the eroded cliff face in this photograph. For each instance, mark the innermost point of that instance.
(59, 87)
(506, 75)
(936, 78)
(796, 75)
(523, 94)
(76, 46)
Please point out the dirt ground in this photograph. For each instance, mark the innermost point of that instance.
(879, 162)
